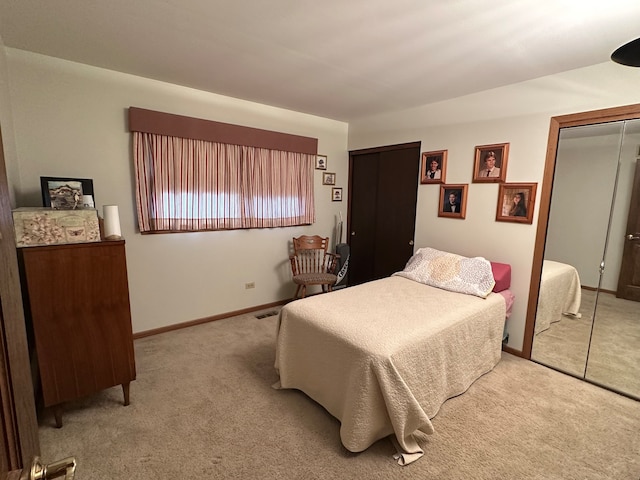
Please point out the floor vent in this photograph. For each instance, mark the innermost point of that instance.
(267, 314)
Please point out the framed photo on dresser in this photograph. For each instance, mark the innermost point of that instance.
(64, 193)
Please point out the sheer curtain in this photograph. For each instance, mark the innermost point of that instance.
(196, 185)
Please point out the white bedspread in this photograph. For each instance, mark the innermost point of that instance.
(559, 294)
(382, 357)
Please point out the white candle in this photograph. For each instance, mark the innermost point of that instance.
(111, 223)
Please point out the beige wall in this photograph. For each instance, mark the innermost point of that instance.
(518, 114)
(70, 120)
(6, 124)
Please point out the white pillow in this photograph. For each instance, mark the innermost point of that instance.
(449, 271)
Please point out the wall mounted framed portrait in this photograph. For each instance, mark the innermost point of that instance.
(63, 193)
(491, 163)
(321, 162)
(453, 201)
(516, 202)
(328, 178)
(336, 194)
(433, 168)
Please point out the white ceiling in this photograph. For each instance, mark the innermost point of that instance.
(340, 59)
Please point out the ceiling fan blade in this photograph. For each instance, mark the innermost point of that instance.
(628, 54)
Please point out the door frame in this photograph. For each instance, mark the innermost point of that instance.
(628, 112)
(17, 402)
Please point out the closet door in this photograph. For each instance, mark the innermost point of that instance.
(382, 210)
(579, 216)
(614, 353)
(594, 199)
(363, 193)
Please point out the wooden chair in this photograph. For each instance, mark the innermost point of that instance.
(312, 264)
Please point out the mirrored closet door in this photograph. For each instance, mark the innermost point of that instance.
(584, 325)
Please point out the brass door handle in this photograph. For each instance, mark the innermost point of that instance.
(38, 471)
(631, 236)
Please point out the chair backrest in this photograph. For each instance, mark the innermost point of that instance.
(311, 253)
(310, 242)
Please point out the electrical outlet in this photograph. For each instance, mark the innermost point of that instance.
(249, 285)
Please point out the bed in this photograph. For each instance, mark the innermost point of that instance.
(382, 357)
(559, 295)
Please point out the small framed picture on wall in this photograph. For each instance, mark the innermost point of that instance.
(328, 178)
(453, 201)
(491, 163)
(321, 162)
(516, 202)
(336, 194)
(433, 167)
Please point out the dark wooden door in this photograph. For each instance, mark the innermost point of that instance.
(629, 280)
(18, 424)
(382, 210)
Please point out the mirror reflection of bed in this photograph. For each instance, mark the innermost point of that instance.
(562, 319)
(613, 351)
(594, 196)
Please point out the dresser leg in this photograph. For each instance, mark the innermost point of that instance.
(57, 413)
(125, 391)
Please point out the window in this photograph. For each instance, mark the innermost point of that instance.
(188, 184)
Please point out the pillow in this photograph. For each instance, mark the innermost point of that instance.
(502, 276)
(449, 271)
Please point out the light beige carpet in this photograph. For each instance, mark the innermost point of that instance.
(613, 358)
(203, 408)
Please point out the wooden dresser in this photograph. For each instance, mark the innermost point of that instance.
(77, 304)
